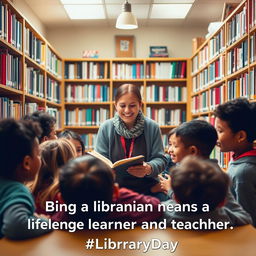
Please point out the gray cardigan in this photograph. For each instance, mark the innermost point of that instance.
(243, 175)
(154, 145)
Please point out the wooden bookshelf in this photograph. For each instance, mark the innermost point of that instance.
(44, 80)
(162, 91)
(234, 46)
(27, 60)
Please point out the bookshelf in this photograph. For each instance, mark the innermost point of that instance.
(31, 75)
(80, 92)
(90, 86)
(223, 67)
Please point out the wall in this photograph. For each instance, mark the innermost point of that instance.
(71, 41)
(30, 16)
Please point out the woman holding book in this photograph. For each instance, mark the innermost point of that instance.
(130, 134)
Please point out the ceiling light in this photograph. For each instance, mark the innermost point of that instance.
(126, 20)
(170, 11)
(92, 12)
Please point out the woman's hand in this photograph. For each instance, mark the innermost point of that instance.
(165, 183)
(140, 171)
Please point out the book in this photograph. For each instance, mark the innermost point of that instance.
(121, 165)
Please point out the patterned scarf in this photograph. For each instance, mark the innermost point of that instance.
(136, 130)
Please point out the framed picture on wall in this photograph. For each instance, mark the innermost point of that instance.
(125, 46)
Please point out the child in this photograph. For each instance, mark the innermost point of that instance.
(86, 179)
(236, 127)
(200, 190)
(164, 178)
(54, 154)
(75, 139)
(198, 138)
(19, 162)
(47, 123)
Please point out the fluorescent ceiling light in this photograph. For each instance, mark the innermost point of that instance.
(170, 11)
(85, 12)
(81, 1)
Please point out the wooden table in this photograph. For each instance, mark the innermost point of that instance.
(240, 241)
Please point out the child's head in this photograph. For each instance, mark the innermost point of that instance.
(47, 123)
(75, 138)
(235, 124)
(196, 137)
(197, 181)
(54, 154)
(84, 180)
(19, 150)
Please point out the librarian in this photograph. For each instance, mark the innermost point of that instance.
(129, 134)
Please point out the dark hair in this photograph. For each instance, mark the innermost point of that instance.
(16, 141)
(45, 120)
(198, 133)
(84, 180)
(128, 88)
(68, 134)
(240, 114)
(171, 132)
(197, 181)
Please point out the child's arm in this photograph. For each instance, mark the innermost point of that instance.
(15, 223)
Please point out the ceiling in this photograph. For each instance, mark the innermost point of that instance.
(52, 13)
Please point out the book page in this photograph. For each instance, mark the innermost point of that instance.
(127, 160)
(102, 158)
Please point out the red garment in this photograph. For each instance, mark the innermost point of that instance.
(248, 153)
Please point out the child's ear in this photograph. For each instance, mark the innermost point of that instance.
(115, 191)
(241, 136)
(193, 150)
(26, 164)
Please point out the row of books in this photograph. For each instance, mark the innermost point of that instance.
(252, 13)
(253, 47)
(87, 93)
(239, 87)
(10, 108)
(166, 116)
(200, 60)
(52, 90)
(34, 81)
(237, 26)
(10, 27)
(201, 80)
(237, 58)
(156, 93)
(10, 69)
(89, 141)
(217, 44)
(53, 63)
(55, 112)
(86, 117)
(216, 70)
(208, 100)
(34, 47)
(127, 71)
(86, 70)
(166, 70)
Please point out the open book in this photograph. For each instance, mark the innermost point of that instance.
(121, 165)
